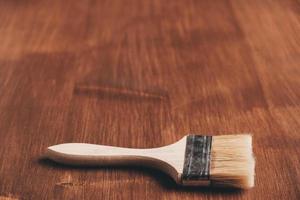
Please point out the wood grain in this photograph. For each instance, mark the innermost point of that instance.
(144, 74)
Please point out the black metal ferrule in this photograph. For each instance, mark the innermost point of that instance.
(197, 158)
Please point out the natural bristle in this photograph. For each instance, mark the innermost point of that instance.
(232, 161)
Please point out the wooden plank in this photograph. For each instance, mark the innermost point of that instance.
(144, 74)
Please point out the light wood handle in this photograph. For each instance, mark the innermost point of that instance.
(92, 154)
(168, 158)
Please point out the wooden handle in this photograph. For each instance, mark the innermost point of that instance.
(92, 154)
(169, 158)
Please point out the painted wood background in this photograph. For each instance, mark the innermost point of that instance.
(143, 74)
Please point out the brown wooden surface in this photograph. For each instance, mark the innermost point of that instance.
(143, 74)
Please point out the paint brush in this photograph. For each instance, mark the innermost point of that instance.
(197, 160)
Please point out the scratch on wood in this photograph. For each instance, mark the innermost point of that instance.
(66, 181)
(69, 184)
(8, 197)
(121, 92)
